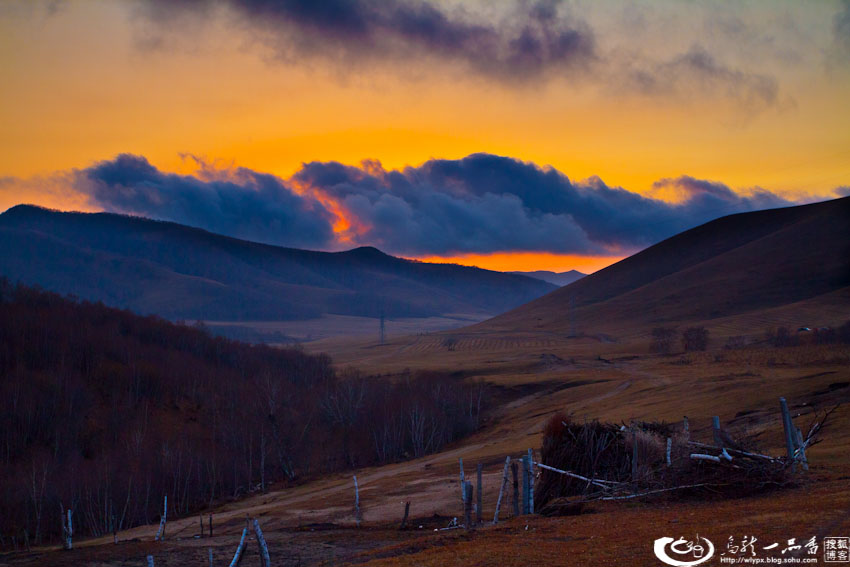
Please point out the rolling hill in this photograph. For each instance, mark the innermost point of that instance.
(180, 272)
(737, 264)
(557, 278)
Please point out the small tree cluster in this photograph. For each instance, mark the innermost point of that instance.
(662, 340)
(782, 337)
(695, 339)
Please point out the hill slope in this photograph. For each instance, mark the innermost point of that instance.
(733, 265)
(186, 273)
(557, 278)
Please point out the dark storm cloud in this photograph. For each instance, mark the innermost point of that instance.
(529, 40)
(479, 204)
(697, 72)
(244, 203)
(486, 203)
(841, 28)
(517, 43)
(704, 196)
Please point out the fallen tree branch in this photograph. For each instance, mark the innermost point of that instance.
(735, 451)
(600, 483)
(628, 496)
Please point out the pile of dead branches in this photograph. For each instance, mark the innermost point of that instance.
(584, 462)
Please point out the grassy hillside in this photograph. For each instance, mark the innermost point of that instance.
(733, 265)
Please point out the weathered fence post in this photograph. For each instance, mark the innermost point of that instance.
(238, 555)
(515, 474)
(357, 516)
(715, 431)
(160, 534)
(502, 490)
(462, 480)
(788, 427)
(634, 456)
(209, 549)
(530, 481)
(261, 542)
(686, 428)
(526, 473)
(467, 503)
(802, 450)
(201, 522)
(406, 512)
(718, 438)
(67, 528)
(479, 494)
(669, 450)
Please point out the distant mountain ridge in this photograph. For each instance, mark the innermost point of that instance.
(181, 272)
(558, 278)
(734, 265)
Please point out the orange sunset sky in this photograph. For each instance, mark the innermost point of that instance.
(679, 111)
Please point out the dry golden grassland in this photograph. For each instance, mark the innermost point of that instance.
(532, 376)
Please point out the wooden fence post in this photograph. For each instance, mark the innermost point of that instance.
(502, 490)
(669, 450)
(515, 474)
(788, 427)
(211, 557)
(261, 542)
(467, 503)
(715, 431)
(686, 428)
(404, 519)
(479, 494)
(462, 480)
(357, 515)
(160, 534)
(634, 456)
(802, 450)
(530, 481)
(238, 555)
(525, 480)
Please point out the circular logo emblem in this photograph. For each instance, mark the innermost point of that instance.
(681, 552)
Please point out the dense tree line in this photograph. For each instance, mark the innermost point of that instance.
(104, 411)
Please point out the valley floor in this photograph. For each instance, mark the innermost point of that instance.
(589, 378)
